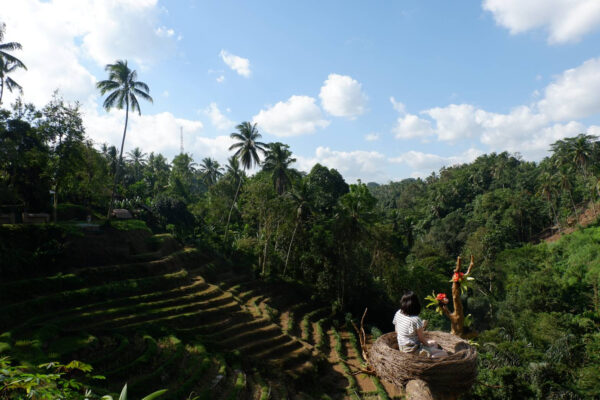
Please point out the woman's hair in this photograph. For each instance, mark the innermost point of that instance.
(409, 304)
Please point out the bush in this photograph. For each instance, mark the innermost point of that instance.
(70, 212)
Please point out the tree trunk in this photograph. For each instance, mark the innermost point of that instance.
(1, 89)
(231, 209)
(420, 390)
(55, 204)
(112, 196)
(287, 257)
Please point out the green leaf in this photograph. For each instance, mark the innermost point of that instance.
(155, 394)
(123, 395)
(79, 365)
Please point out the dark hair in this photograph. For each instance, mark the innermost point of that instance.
(409, 304)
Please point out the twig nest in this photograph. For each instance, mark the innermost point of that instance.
(454, 373)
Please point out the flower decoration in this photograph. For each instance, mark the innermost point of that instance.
(442, 298)
(437, 301)
(461, 279)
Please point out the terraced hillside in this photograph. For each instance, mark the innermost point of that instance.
(174, 318)
(312, 325)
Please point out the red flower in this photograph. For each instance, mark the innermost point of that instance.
(457, 277)
(441, 296)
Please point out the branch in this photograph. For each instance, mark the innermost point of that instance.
(446, 311)
(359, 370)
(458, 264)
(362, 337)
(471, 264)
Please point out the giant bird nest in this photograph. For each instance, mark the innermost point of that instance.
(454, 373)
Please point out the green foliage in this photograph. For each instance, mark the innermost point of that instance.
(46, 381)
(129, 225)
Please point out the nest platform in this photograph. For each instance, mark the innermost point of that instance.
(454, 373)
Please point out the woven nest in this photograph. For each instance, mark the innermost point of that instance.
(454, 373)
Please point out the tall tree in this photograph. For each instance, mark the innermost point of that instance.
(8, 63)
(123, 88)
(63, 127)
(233, 170)
(278, 159)
(248, 148)
(211, 171)
(138, 160)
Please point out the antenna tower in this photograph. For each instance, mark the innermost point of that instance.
(181, 139)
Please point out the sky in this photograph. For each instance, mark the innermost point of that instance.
(380, 90)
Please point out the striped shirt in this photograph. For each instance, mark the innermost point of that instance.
(406, 330)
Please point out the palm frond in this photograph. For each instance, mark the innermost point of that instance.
(10, 46)
(111, 100)
(105, 86)
(142, 86)
(135, 106)
(236, 145)
(11, 84)
(143, 95)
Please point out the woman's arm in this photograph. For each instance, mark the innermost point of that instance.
(421, 335)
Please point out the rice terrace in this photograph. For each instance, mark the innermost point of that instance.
(293, 201)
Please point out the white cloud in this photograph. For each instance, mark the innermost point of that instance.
(220, 79)
(410, 126)
(217, 148)
(58, 35)
(529, 129)
(372, 137)
(298, 115)
(353, 165)
(398, 106)
(236, 63)
(575, 94)
(456, 121)
(565, 20)
(217, 118)
(342, 96)
(425, 163)
(158, 132)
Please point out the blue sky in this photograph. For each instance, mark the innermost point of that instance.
(379, 90)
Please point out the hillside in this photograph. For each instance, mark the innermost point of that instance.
(177, 319)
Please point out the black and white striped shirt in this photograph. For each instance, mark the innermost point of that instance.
(406, 329)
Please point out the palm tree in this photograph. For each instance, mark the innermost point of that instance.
(564, 180)
(546, 190)
(247, 152)
(8, 63)
(299, 196)
(211, 170)
(277, 161)
(581, 151)
(138, 159)
(233, 170)
(124, 88)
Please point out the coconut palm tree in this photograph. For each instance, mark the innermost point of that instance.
(277, 161)
(233, 170)
(8, 63)
(211, 170)
(138, 160)
(247, 152)
(299, 196)
(546, 190)
(123, 88)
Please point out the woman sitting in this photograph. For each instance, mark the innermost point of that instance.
(410, 329)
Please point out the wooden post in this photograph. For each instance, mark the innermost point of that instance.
(457, 317)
